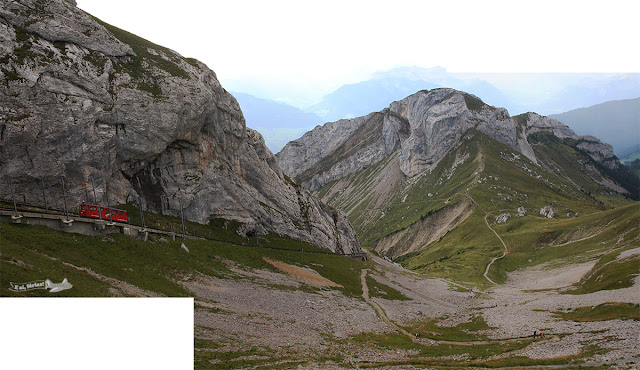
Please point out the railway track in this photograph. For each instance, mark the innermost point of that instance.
(28, 209)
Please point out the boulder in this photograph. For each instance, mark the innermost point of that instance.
(503, 218)
(522, 211)
(548, 212)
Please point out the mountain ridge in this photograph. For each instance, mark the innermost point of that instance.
(429, 111)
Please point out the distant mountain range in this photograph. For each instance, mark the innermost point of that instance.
(364, 97)
(615, 122)
(518, 93)
(278, 122)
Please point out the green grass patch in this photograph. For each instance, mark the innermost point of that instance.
(218, 229)
(608, 276)
(218, 359)
(150, 266)
(467, 331)
(380, 290)
(618, 275)
(387, 341)
(474, 103)
(426, 354)
(205, 343)
(603, 312)
(460, 254)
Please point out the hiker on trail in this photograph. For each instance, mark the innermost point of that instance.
(534, 333)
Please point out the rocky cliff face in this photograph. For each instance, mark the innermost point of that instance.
(422, 128)
(85, 100)
(599, 151)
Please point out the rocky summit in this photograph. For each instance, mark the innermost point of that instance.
(422, 128)
(84, 100)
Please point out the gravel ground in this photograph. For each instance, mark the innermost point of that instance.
(273, 311)
(517, 311)
(259, 315)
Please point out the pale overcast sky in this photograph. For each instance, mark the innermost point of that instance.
(329, 43)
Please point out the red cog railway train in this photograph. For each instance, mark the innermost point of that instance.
(105, 213)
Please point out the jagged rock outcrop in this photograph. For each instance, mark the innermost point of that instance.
(522, 211)
(60, 21)
(503, 218)
(422, 128)
(548, 212)
(599, 151)
(83, 99)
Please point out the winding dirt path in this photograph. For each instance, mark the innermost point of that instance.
(585, 238)
(383, 316)
(486, 271)
(486, 221)
(430, 342)
(486, 215)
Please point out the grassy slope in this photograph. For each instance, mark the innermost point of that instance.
(533, 240)
(603, 312)
(373, 223)
(507, 180)
(153, 266)
(563, 157)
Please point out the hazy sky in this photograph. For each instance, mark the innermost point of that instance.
(324, 44)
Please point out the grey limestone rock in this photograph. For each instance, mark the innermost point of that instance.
(422, 128)
(62, 21)
(522, 211)
(503, 218)
(599, 151)
(548, 212)
(143, 123)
